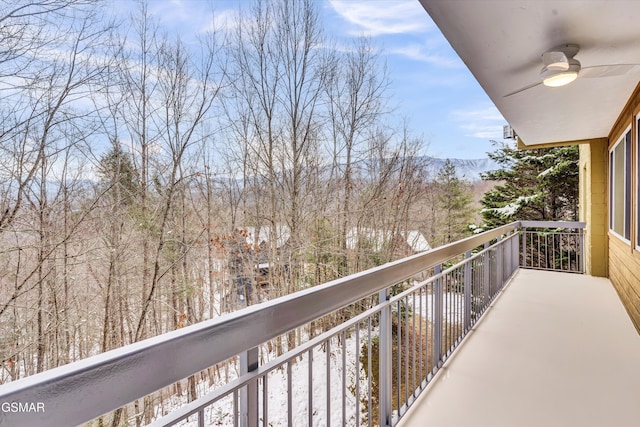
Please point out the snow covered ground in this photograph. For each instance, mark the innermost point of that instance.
(338, 400)
(341, 399)
(452, 306)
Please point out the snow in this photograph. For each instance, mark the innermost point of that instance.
(221, 413)
(508, 210)
(512, 208)
(378, 238)
(282, 234)
(417, 241)
(452, 306)
(546, 172)
(475, 229)
(326, 354)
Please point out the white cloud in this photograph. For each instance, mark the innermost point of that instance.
(383, 17)
(484, 122)
(224, 21)
(422, 53)
(190, 18)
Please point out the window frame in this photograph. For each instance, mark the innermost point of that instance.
(637, 183)
(627, 139)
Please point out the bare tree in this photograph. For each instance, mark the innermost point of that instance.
(51, 55)
(256, 79)
(356, 104)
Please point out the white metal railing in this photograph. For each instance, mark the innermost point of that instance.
(365, 371)
(556, 246)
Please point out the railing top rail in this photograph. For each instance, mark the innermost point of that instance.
(552, 224)
(83, 390)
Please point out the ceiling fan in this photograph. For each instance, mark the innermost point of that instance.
(561, 68)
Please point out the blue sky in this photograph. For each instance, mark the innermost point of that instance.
(430, 87)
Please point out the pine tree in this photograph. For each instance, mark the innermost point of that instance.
(539, 184)
(118, 174)
(454, 202)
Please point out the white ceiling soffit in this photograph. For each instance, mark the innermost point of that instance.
(502, 41)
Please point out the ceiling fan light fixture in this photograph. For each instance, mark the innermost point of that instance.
(560, 79)
(559, 65)
(556, 76)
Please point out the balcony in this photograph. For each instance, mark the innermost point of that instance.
(554, 349)
(395, 332)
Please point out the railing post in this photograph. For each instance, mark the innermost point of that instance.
(467, 292)
(249, 394)
(510, 258)
(515, 251)
(581, 249)
(524, 248)
(386, 356)
(486, 261)
(437, 320)
(499, 263)
(506, 267)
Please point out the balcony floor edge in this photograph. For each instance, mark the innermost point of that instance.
(555, 349)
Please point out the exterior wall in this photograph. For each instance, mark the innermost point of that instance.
(593, 205)
(624, 273)
(623, 256)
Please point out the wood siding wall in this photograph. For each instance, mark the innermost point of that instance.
(624, 258)
(624, 272)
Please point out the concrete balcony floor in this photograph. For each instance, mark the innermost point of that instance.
(555, 349)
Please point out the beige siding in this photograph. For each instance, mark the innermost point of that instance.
(624, 272)
(593, 204)
(623, 258)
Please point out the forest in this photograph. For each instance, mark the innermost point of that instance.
(147, 184)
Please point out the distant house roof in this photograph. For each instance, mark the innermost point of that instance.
(417, 241)
(378, 238)
(282, 235)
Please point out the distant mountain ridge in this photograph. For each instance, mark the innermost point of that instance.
(469, 169)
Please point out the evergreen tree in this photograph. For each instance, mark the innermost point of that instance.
(539, 184)
(117, 173)
(454, 202)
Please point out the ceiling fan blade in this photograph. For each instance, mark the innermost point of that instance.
(522, 89)
(609, 70)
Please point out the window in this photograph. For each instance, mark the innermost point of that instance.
(638, 182)
(620, 187)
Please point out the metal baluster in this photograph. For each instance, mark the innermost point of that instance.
(487, 275)
(344, 378)
(328, 361)
(539, 252)
(369, 388)
(447, 311)
(249, 393)
(235, 408)
(499, 272)
(509, 254)
(289, 394)
(413, 347)
(422, 344)
(516, 253)
(310, 381)
(580, 250)
(265, 401)
(406, 355)
(385, 345)
(525, 248)
(399, 358)
(357, 369)
(553, 253)
(437, 320)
